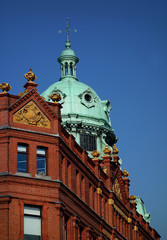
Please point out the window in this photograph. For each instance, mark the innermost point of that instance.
(21, 157)
(88, 142)
(41, 160)
(66, 227)
(32, 223)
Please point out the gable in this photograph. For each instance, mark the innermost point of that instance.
(30, 114)
(32, 109)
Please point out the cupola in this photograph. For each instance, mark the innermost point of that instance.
(68, 59)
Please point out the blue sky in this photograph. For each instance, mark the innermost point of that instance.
(123, 54)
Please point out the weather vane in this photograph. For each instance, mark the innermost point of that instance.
(67, 29)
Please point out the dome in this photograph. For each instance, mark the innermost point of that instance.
(67, 51)
(83, 113)
(81, 102)
(68, 54)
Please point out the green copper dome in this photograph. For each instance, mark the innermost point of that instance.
(84, 114)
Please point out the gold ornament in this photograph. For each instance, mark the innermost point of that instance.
(55, 97)
(116, 187)
(30, 76)
(132, 198)
(125, 173)
(30, 114)
(95, 154)
(115, 150)
(23, 93)
(5, 87)
(107, 151)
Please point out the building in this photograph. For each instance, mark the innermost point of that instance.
(50, 188)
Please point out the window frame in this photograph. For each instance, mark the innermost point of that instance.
(35, 212)
(45, 159)
(23, 154)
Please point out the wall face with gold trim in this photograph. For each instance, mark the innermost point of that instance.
(30, 114)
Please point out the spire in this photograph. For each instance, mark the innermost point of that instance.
(68, 59)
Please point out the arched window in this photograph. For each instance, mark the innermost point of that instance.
(71, 69)
(66, 68)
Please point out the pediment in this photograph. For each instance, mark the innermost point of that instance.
(30, 114)
(34, 95)
(32, 109)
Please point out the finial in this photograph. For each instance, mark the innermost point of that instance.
(132, 198)
(107, 151)
(67, 44)
(125, 173)
(95, 154)
(30, 76)
(55, 97)
(5, 87)
(115, 150)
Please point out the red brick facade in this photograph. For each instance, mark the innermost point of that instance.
(77, 198)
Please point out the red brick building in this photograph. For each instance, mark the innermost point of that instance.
(49, 188)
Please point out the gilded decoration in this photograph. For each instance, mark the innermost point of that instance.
(30, 76)
(106, 233)
(31, 115)
(5, 87)
(95, 154)
(132, 198)
(116, 187)
(55, 97)
(125, 173)
(99, 191)
(107, 151)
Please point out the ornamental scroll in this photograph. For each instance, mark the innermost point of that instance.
(30, 114)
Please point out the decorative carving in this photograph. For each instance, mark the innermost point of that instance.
(110, 201)
(5, 87)
(31, 115)
(106, 233)
(55, 97)
(115, 150)
(116, 187)
(62, 95)
(88, 98)
(125, 173)
(95, 154)
(135, 228)
(105, 170)
(107, 151)
(99, 191)
(132, 198)
(23, 93)
(30, 76)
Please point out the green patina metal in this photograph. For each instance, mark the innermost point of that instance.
(83, 111)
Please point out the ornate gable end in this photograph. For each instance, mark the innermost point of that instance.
(118, 186)
(30, 114)
(30, 110)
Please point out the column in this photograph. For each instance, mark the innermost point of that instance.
(75, 221)
(60, 207)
